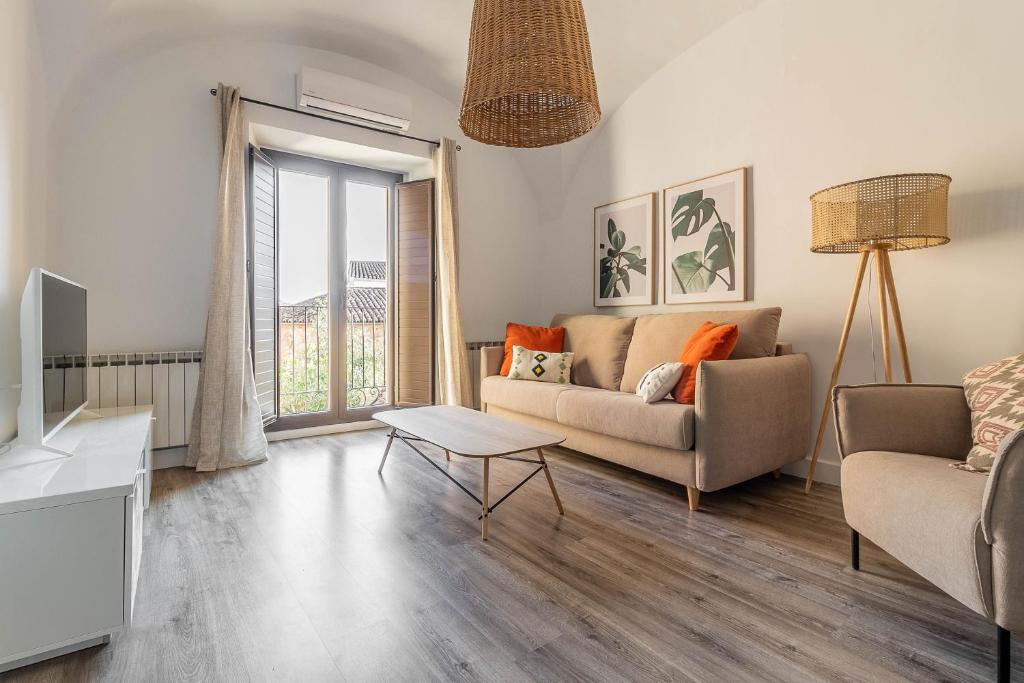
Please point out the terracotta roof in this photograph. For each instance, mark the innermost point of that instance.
(365, 305)
(367, 270)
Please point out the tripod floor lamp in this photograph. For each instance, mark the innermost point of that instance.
(877, 216)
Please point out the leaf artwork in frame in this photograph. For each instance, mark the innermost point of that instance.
(624, 236)
(704, 233)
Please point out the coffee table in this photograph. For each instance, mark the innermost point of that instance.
(471, 434)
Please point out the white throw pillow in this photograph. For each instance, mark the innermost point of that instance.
(659, 381)
(540, 366)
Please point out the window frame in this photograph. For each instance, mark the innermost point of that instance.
(338, 174)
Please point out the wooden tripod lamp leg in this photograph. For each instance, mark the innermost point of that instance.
(861, 267)
(897, 320)
(883, 312)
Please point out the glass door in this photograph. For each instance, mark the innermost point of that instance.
(335, 223)
(366, 295)
(303, 309)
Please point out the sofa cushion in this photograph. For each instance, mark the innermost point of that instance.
(659, 337)
(600, 343)
(659, 381)
(627, 416)
(531, 398)
(925, 514)
(530, 337)
(709, 342)
(531, 365)
(995, 393)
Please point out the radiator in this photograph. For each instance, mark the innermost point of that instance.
(473, 354)
(167, 380)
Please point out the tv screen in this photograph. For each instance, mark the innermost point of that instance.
(64, 350)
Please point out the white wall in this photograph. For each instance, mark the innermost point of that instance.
(22, 155)
(805, 93)
(136, 169)
(809, 94)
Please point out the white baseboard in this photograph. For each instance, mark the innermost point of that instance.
(169, 457)
(826, 472)
(175, 457)
(323, 429)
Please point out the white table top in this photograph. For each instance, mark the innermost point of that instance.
(467, 432)
(107, 452)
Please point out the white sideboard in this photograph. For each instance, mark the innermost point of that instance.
(71, 536)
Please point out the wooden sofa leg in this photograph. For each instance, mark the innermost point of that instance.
(693, 496)
(855, 549)
(1003, 646)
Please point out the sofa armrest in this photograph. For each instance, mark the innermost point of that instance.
(927, 419)
(1002, 522)
(490, 360)
(752, 416)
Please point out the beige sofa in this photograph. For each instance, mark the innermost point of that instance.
(962, 531)
(752, 412)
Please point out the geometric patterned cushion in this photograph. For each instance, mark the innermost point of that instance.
(995, 395)
(540, 366)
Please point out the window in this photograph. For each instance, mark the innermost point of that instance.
(332, 299)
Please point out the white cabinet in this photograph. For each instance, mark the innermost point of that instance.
(133, 507)
(71, 537)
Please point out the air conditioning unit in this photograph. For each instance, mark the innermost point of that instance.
(347, 99)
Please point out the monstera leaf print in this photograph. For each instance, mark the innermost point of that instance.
(691, 211)
(720, 249)
(690, 272)
(617, 262)
(696, 271)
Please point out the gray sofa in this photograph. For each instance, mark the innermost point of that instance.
(751, 417)
(962, 531)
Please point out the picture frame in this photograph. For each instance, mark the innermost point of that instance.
(624, 256)
(704, 239)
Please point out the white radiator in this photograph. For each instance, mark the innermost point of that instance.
(168, 381)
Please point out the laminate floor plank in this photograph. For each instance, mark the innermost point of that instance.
(311, 567)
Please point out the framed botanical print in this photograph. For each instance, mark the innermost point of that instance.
(704, 239)
(624, 241)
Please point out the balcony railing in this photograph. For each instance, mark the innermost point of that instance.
(367, 364)
(304, 361)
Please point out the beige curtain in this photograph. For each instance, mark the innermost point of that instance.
(227, 429)
(452, 366)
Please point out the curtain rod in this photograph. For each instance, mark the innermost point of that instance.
(435, 143)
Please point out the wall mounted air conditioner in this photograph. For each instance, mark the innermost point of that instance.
(348, 99)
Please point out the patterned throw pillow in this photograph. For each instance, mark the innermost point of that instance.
(540, 366)
(659, 381)
(995, 394)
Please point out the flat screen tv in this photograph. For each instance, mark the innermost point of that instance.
(54, 358)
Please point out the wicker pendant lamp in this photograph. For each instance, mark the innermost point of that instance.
(529, 75)
(877, 216)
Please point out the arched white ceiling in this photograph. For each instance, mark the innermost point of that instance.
(424, 40)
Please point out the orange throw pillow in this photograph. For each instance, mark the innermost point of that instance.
(709, 342)
(533, 337)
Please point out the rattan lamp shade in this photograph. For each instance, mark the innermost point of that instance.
(529, 75)
(906, 211)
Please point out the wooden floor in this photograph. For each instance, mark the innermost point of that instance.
(313, 568)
